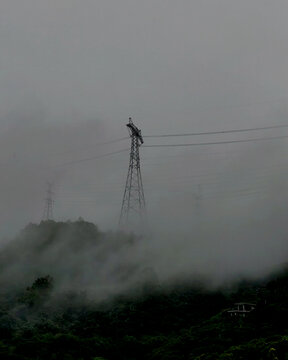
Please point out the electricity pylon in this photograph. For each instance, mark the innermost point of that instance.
(133, 210)
(48, 208)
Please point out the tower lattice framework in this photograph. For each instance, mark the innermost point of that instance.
(48, 208)
(133, 208)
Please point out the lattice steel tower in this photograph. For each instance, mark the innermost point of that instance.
(48, 208)
(133, 210)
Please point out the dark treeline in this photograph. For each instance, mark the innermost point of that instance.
(144, 319)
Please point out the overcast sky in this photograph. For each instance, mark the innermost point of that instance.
(72, 72)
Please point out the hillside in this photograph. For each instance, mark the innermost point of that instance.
(76, 254)
(46, 313)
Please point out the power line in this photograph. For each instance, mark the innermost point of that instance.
(91, 158)
(216, 143)
(95, 145)
(219, 132)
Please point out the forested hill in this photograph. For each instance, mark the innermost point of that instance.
(41, 317)
(76, 254)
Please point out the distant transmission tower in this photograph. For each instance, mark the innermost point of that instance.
(133, 210)
(48, 208)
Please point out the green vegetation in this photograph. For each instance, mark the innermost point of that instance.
(48, 321)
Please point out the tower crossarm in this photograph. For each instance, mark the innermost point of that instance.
(134, 131)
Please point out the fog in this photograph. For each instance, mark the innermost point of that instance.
(71, 75)
(216, 216)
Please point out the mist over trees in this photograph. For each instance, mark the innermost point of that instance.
(77, 255)
(110, 305)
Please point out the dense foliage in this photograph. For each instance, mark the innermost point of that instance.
(155, 322)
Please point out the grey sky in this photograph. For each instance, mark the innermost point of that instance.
(161, 61)
(72, 72)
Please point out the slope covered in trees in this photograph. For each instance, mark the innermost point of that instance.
(47, 315)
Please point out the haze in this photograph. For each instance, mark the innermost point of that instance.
(72, 72)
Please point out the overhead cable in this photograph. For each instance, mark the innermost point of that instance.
(91, 158)
(219, 132)
(216, 143)
(94, 145)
